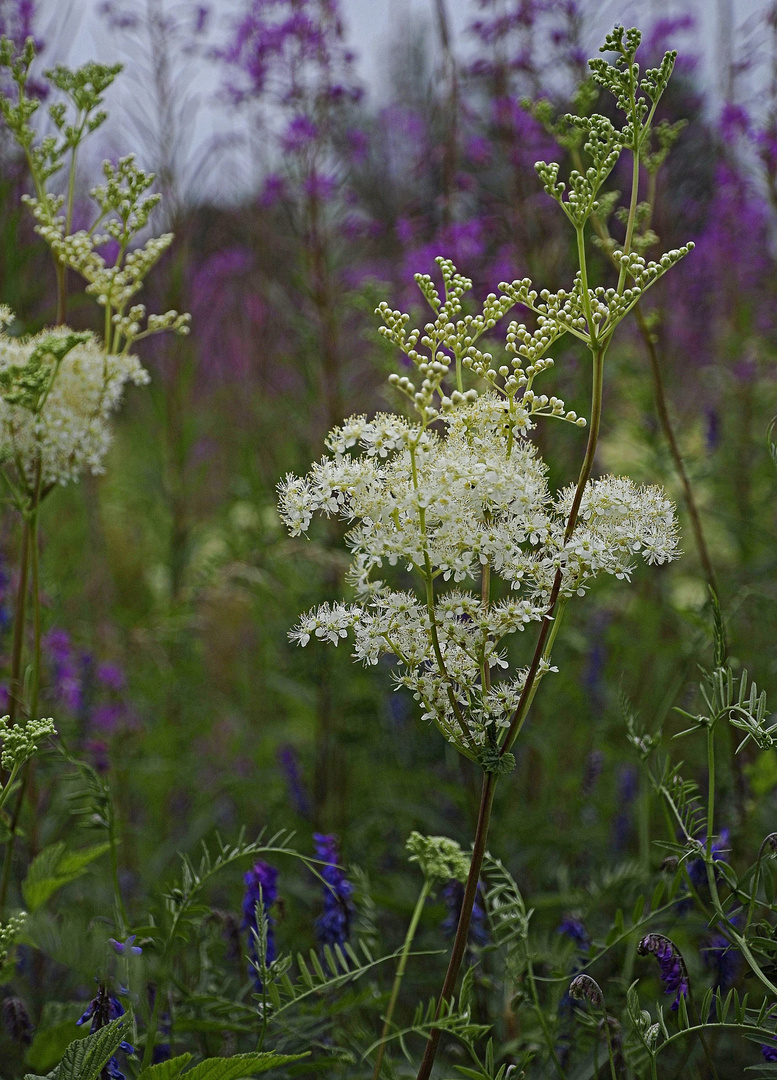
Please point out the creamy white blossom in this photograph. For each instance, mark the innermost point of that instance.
(443, 504)
(66, 424)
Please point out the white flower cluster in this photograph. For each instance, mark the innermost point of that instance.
(445, 505)
(67, 430)
(20, 741)
(125, 208)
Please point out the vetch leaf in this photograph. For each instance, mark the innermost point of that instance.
(55, 867)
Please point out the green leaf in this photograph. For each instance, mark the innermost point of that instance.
(55, 867)
(85, 1058)
(242, 1065)
(49, 1045)
(166, 1070)
(657, 896)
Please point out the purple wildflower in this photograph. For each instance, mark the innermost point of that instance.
(769, 1053)
(101, 1010)
(592, 770)
(111, 676)
(299, 796)
(627, 787)
(333, 925)
(16, 1019)
(126, 947)
(671, 964)
(6, 613)
(65, 669)
(697, 870)
(573, 928)
(261, 889)
(300, 133)
(723, 960)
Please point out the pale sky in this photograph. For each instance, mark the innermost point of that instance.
(75, 33)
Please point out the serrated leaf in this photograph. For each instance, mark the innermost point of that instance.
(55, 867)
(85, 1058)
(166, 1070)
(235, 1068)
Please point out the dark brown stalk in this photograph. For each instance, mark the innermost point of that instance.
(671, 440)
(462, 930)
(585, 474)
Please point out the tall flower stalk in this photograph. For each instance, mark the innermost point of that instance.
(59, 388)
(460, 492)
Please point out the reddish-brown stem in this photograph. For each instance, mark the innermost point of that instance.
(465, 917)
(671, 440)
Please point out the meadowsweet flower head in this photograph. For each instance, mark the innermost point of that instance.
(453, 489)
(21, 741)
(57, 393)
(333, 926)
(441, 859)
(671, 964)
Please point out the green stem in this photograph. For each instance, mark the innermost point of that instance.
(411, 931)
(710, 804)
(756, 882)
(542, 1019)
(610, 1052)
(529, 690)
(19, 625)
(153, 1025)
(631, 219)
(662, 409)
(121, 911)
(8, 784)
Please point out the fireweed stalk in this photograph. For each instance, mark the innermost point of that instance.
(459, 492)
(59, 388)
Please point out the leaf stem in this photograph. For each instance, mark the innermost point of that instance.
(409, 936)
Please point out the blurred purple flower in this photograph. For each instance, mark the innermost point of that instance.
(261, 890)
(126, 947)
(573, 928)
(358, 145)
(299, 797)
(453, 895)
(111, 676)
(333, 926)
(671, 965)
(319, 186)
(64, 669)
(299, 134)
